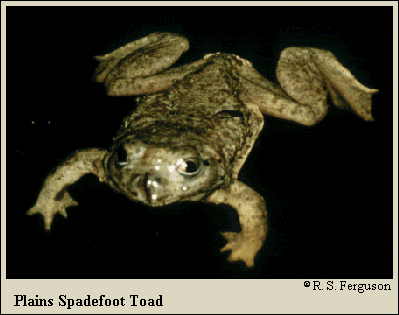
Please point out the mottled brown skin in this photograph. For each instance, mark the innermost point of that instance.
(196, 124)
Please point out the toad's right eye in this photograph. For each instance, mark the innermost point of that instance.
(121, 156)
(189, 167)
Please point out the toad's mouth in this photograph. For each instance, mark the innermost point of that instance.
(144, 191)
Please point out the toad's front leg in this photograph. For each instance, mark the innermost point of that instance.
(54, 197)
(252, 213)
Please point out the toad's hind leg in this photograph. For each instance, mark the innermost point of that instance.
(138, 67)
(307, 76)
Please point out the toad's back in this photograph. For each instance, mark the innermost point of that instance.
(203, 108)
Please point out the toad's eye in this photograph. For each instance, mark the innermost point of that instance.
(121, 156)
(189, 167)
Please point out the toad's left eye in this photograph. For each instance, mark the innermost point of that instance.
(189, 167)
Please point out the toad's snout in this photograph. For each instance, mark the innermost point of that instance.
(146, 186)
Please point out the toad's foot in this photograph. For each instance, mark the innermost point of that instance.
(49, 208)
(363, 106)
(252, 215)
(345, 90)
(54, 197)
(243, 247)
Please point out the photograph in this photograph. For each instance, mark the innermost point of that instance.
(209, 142)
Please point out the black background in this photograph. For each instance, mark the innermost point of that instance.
(328, 187)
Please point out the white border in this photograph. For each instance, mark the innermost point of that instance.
(204, 296)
